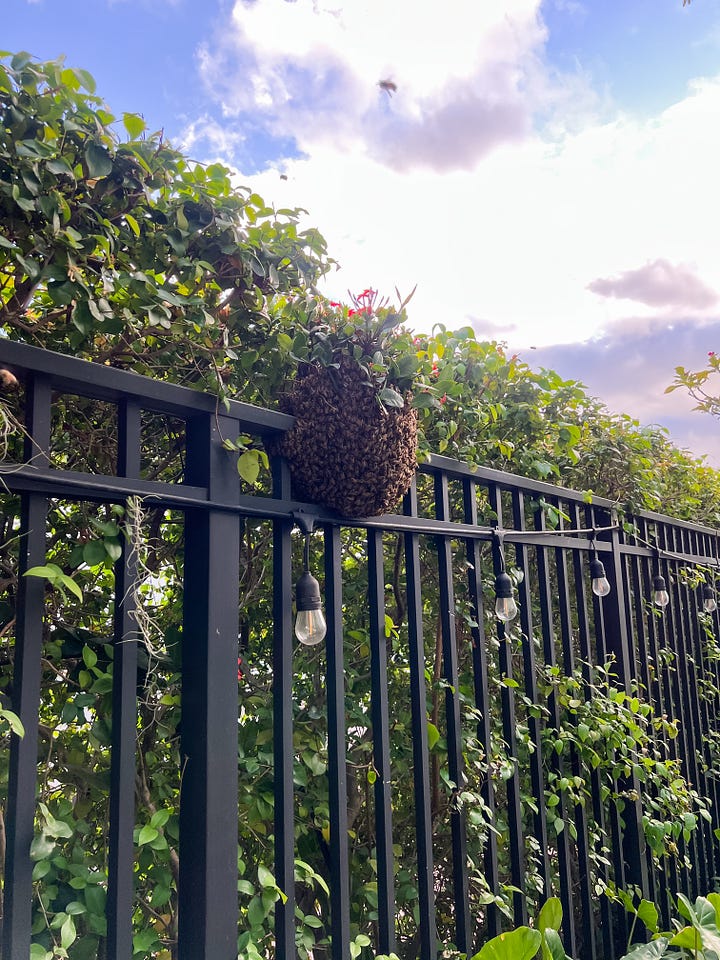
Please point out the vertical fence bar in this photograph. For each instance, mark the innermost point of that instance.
(337, 764)
(482, 697)
(421, 766)
(562, 839)
(705, 643)
(507, 694)
(691, 676)
(672, 628)
(121, 851)
(530, 673)
(22, 777)
(380, 712)
(640, 643)
(283, 752)
(633, 836)
(452, 713)
(208, 905)
(581, 825)
(698, 642)
(603, 643)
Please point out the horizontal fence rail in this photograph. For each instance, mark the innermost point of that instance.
(517, 789)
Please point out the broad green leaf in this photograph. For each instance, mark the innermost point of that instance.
(654, 950)
(553, 945)
(147, 835)
(94, 552)
(38, 952)
(98, 160)
(520, 944)
(551, 914)
(89, 656)
(648, 913)
(68, 933)
(134, 124)
(391, 398)
(433, 735)
(249, 466)
(54, 827)
(265, 877)
(14, 722)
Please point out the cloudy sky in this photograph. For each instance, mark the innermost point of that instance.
(546, 170)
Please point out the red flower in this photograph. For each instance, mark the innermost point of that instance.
(434, 369)
(711, 353)
(240, 673)
(443, 398)
(334, 303)
(351, 313)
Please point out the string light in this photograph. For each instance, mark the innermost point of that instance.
(600, 583)
(505, 606)
(310, 626)
(709, 601)
(661, 597)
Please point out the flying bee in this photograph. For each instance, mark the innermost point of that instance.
(389, 86)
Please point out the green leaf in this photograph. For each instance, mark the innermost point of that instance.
(134, 124)
(89, 656)
(14, 722)
(520, 944)
(551, 914)
(68, 933)
(147, 835)
(391, 398)
(98, 161)
(648, 913)
(553, 945)
(113, 548)
(265, 877)
(649, 951)
(53, 827)
(132, 223)
(38, 952)
(94, 552)
(433, 735)
(249, 466)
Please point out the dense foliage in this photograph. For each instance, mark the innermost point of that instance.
(124, 252)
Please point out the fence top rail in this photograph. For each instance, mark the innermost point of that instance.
(95, 380)
(82, 377)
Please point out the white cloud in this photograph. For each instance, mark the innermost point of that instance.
(312, 70)
(509, 224)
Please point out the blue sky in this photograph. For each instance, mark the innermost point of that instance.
(546, 170)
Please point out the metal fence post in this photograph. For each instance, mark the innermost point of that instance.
(208, 904)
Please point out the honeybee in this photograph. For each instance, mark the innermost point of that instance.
(389, 86)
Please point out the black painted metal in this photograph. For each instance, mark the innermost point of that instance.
(26, 688)
(208, 905)
(421, 766)
(380, 709)
(482, 695)
(339, 853)
(452, 714)
(514, 804)
(561, 840)
(554, 617)
(530, 675)
(284, 815)
(124, 713)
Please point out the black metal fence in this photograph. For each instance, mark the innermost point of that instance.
(475, 521)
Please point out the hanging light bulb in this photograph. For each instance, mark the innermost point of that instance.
(660, 595)
(505, 606)
(310, 626)
(709, 601)
(600, 583)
